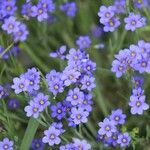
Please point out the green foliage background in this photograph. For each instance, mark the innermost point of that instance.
(110, 92)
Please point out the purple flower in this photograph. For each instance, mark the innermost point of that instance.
(81, 144)
(120, 6)
(59, 53)
(59, 126)
(79, 115)
(3, 92)
(88, 83)
(112, 24)
(26, 10)
(52, 136)
(66, 147)
(32, 109)
(70, 76)
(83, 42)
(106, 13)
(21, 34)
(13, 104)
(8, 8)
(117, 116)
(69, 8)
(75, 96)
(42, 101)
(37, 144)
(89, 66)
(6, 144)
(140, 3)
(58, 111)
(134, 21)
(20, 85)
(87, 102)
(118, 68)
(124, 139)
(11, 25)
(56, 86)
(107, 127)
(52, 76)
(138, 105)
(48, 5)
(40, 12)
(97, 31)
(137, 81)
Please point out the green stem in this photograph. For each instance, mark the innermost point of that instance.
(6, 50)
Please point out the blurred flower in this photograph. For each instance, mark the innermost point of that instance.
(120, 6)
(83, 42)
(59, 53)
(97, 31)
(140, 3)
(11, 25)
(69, 8)
(13, 104)
(37, 144)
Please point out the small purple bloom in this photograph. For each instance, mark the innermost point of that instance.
(107, 127)
(83, 42)
(79, 115)
(37, 144)
(69, 8)
(75, 96)
(140, 3)
(32, 110)
(124, 139)
(117, 116)
(6, 144)
(11, 25)
(58, 111)
(13, 104)
(112, 24)
(134, 21)
(52, 136)
(20, 85)
(106, 13)
(42, 101)
(138, 105)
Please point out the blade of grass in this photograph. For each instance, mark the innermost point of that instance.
(29, 134)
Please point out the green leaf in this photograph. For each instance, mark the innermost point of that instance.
(29, 134)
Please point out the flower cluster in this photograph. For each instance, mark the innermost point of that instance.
(27, 82)
(52, 135)
(111, 22)
(108, 18)
(37, 105)
(136, 58)
(6, 144)
(137, 99)
(79, 76)
(108, 132)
